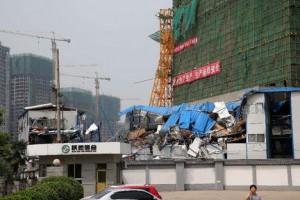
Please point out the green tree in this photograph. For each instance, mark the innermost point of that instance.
(12, 155)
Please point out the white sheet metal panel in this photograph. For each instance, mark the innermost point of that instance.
(199, 175)
(70, 117)
(236, 151)
(136, 176)
(295, 99)
(257, 150)
(272, 175)
(238, 175)
(256, 124)
(162, 176)
(295, 171)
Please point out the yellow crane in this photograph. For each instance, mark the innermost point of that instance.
(55, 63)
(97, 86)
(161, 94)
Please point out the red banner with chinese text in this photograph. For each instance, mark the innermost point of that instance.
(200, 72)
(186, 44)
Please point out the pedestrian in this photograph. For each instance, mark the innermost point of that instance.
(252, 194)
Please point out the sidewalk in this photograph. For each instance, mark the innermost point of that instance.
(228, 194)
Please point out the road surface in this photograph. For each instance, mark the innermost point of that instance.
(228, 194)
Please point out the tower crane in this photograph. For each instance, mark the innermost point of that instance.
(161, 94)
(97, 86)
(55, 63)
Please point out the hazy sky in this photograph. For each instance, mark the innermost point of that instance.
(112, 34)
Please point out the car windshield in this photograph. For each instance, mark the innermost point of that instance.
(101, 194)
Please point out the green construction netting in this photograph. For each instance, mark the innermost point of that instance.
(183, 18)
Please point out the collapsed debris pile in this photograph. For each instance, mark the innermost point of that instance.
(199, 130)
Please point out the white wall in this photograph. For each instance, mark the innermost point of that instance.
(295, 100)
(199, 175)
(134, 176)
(237, 175)
(272, 175)
(236, 151)
(295, 171)
(70, 117)
(162, 176)
(257, 150)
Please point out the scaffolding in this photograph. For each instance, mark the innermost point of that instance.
(257, 43)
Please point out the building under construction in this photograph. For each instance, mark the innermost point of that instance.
(109, 107)
(30, 77)
(4, 80)
(224, 46)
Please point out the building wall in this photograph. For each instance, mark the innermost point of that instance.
(215, 175)
(69, 121)
(109, 107)
(30, 77)
(256, 127)
(295, 99)
(255, 42)
(88, 168)
(4, 85)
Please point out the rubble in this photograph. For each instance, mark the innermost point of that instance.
(198, 131)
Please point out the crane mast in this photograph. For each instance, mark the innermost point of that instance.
(161, 94)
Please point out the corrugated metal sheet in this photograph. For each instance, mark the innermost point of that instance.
(203, 123)
(173, 119)
(272, 90)
(130, 109)
(232, 105)
(185, 119)
(158, 110)
(207, 106)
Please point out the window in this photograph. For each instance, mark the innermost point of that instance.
(74, 170)
(260, 137)
(138, 195)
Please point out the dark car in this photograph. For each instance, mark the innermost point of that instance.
(149, 188)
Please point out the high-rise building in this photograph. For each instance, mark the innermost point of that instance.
(30, 77)
(109, 108)
(224, 47)
(4, 80)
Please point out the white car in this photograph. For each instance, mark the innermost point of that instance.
(125, 194)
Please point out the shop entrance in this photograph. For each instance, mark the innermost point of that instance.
(101, 177)
(279, 137)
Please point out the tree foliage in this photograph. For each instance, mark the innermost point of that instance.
(12, 155)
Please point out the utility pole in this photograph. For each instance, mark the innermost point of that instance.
(97, 86)
(58, 138)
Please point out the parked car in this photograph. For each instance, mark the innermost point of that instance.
(148, 188)
(116, 193)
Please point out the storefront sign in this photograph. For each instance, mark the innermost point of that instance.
(75, 148)
(186, 44)
(201, 72)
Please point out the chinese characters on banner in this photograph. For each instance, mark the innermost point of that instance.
(201, 72)
(186, 44)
